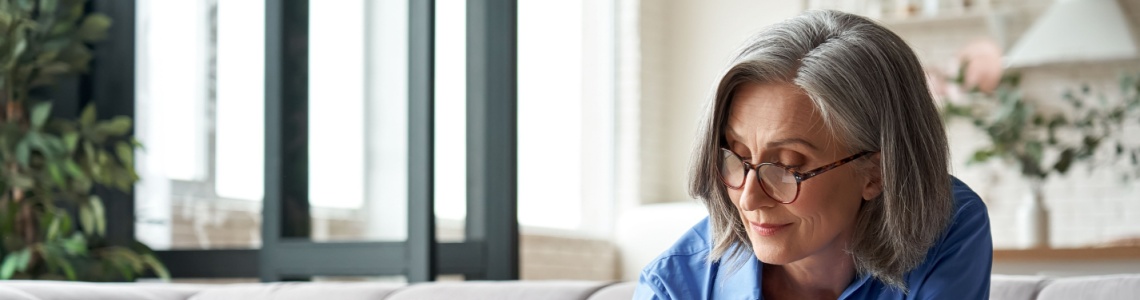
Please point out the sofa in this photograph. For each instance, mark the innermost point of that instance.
(640, 235)
(554, 290)
(1003, 287)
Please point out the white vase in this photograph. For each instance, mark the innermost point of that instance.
(1033, 218)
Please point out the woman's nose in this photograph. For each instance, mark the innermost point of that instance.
(752, 196)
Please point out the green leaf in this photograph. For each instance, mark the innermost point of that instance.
(15, 262)
(65, 223)
(117, 126)
(99, 214)
(55, 145)
(130, 257)
(125, 154)
(20, 46)
(53, 48)
(70, 139)
(61, 28)
(981, 156)
(76, 244)
(87, 219)
(53, 229)
(56, 175)
(12, 262)
(26, 5)
(68, 269)
(24, 259)
(157, 266)
(74, 170)
(48, 5)
(87, 117)
(23, 153)
(94, 27)
(1035, 151)
(1065, 161)
(47, 57)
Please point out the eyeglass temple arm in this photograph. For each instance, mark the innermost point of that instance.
(827, 167)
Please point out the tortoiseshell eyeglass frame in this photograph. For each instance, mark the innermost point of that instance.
(799, 176)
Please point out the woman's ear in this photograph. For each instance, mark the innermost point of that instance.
(873, 185)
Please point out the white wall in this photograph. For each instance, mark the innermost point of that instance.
(1085, 209)
(684, 45)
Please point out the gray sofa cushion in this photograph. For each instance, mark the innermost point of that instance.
(505, 290)
(14, 294)
(1108, 287)
(62, 290)
(300, 291)
(617, 291)
(1015, 287)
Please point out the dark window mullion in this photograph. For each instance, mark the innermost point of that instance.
(111, 86)
(421, 245)
(271, 207)
(492, 204)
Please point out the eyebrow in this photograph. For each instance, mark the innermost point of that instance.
(788, 141)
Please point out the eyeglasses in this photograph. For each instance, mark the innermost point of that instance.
(778, 181)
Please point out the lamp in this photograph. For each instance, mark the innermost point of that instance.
(1075, 31)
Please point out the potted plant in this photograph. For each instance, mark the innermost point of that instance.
(1043, 140)
(51, 222)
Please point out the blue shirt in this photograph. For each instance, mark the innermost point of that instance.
(956, 267)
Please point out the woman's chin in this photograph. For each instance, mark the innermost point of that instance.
(774, 254)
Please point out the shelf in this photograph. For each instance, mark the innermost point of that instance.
(1072, 254)
(956, 18)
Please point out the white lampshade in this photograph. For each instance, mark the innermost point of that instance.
(1075, 31)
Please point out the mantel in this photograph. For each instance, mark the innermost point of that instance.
(1068, 254)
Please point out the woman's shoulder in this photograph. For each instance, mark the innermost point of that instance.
(682, 270)
(969, 209)
(961, 260)
(693, 245)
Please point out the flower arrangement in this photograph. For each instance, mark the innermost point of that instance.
(1040, 139)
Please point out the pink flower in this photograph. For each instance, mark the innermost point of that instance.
(983, 65)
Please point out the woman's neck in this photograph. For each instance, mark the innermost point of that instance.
(822, 275)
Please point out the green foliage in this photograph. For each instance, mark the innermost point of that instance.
(1024, 132)
(52, 225)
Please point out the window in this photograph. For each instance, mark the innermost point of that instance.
(566, 125)
(203, 167)
(336, 177)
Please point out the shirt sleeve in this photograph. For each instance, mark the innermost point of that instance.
(649, 287)
(964, 259)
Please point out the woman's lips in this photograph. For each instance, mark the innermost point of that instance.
(767, 229)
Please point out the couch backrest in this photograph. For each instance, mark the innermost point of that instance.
(1107, 287)
(500, 290)
(55, 290)
(617, 291)
(1015, 287)
(1003, 287)
(300, 291)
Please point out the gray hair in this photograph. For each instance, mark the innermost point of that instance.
(872, 93)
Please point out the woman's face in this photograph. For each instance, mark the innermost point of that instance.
(779, 123)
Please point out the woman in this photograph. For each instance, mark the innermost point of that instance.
(824, 168)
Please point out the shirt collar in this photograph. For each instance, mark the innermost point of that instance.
(855, 285)
(744, 283)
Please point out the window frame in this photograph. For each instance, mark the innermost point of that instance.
(490, 250)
